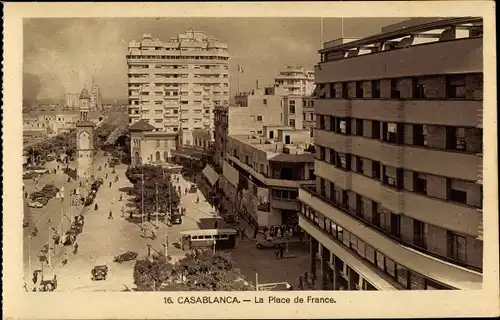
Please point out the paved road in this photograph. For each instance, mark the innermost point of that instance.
(103, 238)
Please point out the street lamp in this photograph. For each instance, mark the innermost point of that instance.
(29, 262)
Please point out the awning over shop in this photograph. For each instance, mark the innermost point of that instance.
(211, 175)
(186, 155)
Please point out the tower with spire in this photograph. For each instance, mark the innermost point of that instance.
(84, 140)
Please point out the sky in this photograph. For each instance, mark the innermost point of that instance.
(63, 54)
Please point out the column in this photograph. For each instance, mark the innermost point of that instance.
(325, 258)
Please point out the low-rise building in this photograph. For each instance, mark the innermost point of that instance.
(261, 175)
(149, 146)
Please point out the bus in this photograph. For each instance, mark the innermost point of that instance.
(223, 238)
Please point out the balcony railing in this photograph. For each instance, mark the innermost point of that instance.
(353, 214)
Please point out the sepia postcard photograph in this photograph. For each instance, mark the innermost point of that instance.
(250, 160)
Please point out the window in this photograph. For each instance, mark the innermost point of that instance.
(402, 276)
(390, 267)
(271, 134)
(380, 260)
(420, 135)
(457, 247)
(345, 91)
(259, 118)
(292, 122)
(359, 89)
(417, 282)
(376, 169)
(322, 122)
(419, 89)
(454, 194)
(292, 107)
(359, 127)
(359, 165)
(333, 124)
(332, 91)
(389, 176)
(342, 127)
(376, 129)
(322, 153)
(375, 89)
(287, 138)
(395, 93)
(419, 183)
(455, 87)
(395, 225)
(264, 101)
(390, 132)
(419, 233)
(304, 116)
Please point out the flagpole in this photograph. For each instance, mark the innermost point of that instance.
(342, 27)
(322, 38)
(238, 80)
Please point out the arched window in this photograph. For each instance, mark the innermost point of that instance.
(158, 156)
(137, 158)
(165, 156)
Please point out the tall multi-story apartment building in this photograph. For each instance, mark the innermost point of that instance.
(296, 80)
(95, 98)
(72, 100)
(397, 203)
(174, 85)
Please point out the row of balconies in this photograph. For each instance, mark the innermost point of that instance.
(452, 216)
(268, 181)
(460, 113)
(424, 264)
(459, 165)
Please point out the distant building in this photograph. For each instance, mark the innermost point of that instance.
(296, 80)
(174, 85)
(95, 98)
(72, 100)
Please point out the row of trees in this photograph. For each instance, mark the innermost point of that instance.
(156, 179)
(200, 270)
(65, 143)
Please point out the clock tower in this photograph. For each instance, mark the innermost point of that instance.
(84, 141)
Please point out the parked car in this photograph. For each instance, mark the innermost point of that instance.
(100, 271)
(176, 218)
(127, 256)
(270, 244)
(35, 204)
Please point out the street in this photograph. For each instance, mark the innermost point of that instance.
(104, 238)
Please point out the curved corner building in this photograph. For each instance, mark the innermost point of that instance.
(397, 203)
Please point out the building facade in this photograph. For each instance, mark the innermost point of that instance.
(397, 203)
(72, 100)
(296, 80)
(84, 141)
(96, 98)
(261, 175)
(149, 146)
(174, 85)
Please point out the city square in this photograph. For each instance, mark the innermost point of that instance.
(351, 163)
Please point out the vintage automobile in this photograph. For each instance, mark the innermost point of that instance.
(44, 281)
(193, 188)
(127, 256)
(35, 204)
(100, 271)
(176, 218)
(270, 244)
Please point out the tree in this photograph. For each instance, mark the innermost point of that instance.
(155, 179)
(149, 274)
(200, 270)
